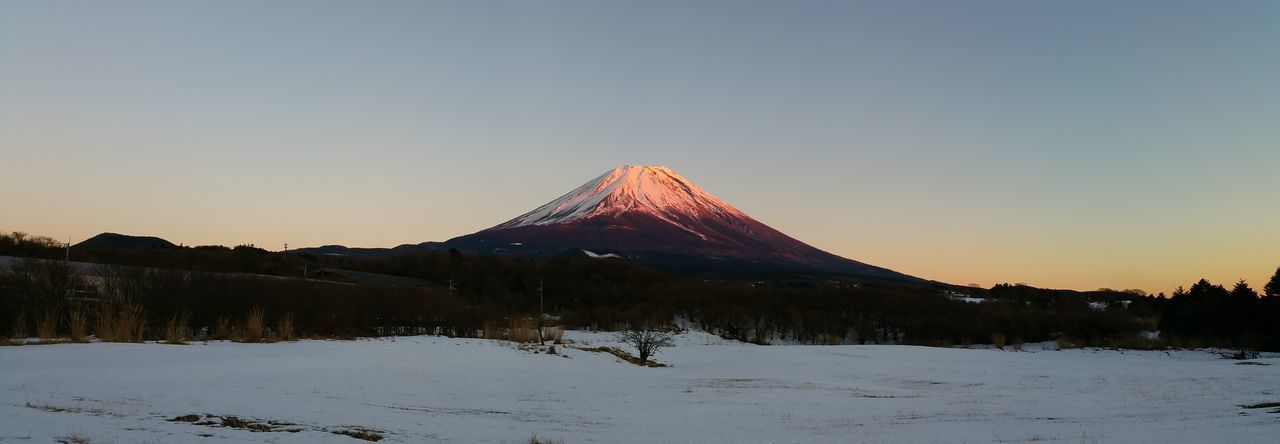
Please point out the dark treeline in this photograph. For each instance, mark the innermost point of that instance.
(1211, 314)
(472, 293)
(212, 258)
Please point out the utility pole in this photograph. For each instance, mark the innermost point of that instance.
(68, 249)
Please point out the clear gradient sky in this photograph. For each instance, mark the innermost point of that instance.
(1072, 144)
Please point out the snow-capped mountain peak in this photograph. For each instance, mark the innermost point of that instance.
(652, 215)
(655, 190)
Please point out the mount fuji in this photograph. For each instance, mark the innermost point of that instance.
(651, 215)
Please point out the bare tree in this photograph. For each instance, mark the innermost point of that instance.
(47, 285)
(647, 342)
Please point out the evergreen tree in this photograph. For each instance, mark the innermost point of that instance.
(1273, 287)
(1242, 291)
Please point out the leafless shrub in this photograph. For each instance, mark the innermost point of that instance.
(998, 340)
(647, 342)
(1017, 343)
(121, 284)
(45, 284)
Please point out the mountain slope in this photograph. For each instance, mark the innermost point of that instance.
(653, 215)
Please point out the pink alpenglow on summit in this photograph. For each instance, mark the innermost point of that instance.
(655, 216)
(654, 190)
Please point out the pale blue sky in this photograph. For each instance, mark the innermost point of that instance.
(1069, 144)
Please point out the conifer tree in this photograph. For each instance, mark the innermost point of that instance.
(1273, 287)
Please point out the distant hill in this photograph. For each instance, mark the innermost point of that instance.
(125, 242)
(357, 252)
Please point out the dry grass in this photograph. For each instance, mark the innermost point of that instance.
(73, 438)
(284, 328)
(998, 340)
(77, 326)
(253, 326)
(555, 334)
(175, 331)
(1137, 342)
(1017, 343)
(253, 426)
(47, 326)
(490, 330)
(131, 321)
(222, 328)
(105, 324)
(19, 327)
(522, 331)
(125, 325)
(831, 339)
(52, 408)
(536, 440)
(273, 426)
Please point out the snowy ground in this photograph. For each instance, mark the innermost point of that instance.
(434, 389)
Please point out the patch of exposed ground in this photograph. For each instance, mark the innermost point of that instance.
(257, 425)
(622, 355)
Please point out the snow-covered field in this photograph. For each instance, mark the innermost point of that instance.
(435, 389)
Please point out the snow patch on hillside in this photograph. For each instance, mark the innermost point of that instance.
(594, 255)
